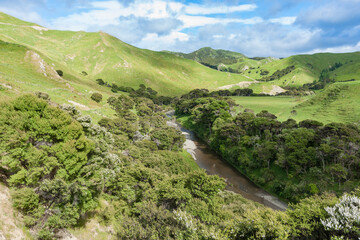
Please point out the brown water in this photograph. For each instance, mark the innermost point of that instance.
(236, 181)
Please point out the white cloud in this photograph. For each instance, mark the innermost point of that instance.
(156, 42)
(197, 21)
(218, 36)
(108, 12)
(232, 36)
(283, 20)
(338, 49)
(156, 24)
(197, 9)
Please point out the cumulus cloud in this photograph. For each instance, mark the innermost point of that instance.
(155, 24)
(197, 21)
(260, 28)
(197, 9)
(262, 39)
(157, 42)
(283, 20)
(338, 49)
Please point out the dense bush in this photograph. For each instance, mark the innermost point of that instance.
(62, 169)
(293, 160)
(60, 73)
(276, 75)
(97, 97)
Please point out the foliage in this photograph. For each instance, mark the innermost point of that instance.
(59, 165)
(292, 160)
(344, 217)
(277, 74)
(97, 97)
(60, 73)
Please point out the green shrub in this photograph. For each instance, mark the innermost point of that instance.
(97, 97)
(100, 81)
(25, 199)
(60, 72)
(42, 95)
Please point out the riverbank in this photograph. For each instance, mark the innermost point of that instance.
(214, 165)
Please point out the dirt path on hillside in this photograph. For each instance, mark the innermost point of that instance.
(9, 223)
(243, 84)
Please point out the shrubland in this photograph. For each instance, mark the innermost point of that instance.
(129, 173)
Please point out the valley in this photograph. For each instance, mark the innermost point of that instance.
(87, 150)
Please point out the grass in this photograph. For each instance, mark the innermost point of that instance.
(24, 77)
(337, 103)
(281, 106)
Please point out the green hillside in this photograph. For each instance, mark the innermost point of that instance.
(30, 54)
(307, 68)
(337, 103)
(103, 56)
(114, 166)
(224, 60)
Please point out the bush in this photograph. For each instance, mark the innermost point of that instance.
(25, 199)
(97, 97)
(100, 81)
(60, 72)
(42, 95)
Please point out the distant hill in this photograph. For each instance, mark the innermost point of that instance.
(307, 68)
(213, 57)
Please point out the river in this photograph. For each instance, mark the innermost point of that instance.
(214, 165)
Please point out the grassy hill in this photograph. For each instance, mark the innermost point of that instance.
(103, 56)
(307, 68)
(30, 54)
(337, 103)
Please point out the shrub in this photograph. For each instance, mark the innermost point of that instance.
(25, 199)
(60, 72)
(42, 95)
(100, 81)
(97, 97)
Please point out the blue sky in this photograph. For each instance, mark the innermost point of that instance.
(255, 28)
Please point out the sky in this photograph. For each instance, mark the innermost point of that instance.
(254, 27)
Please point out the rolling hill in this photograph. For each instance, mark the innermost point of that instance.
(30, 54)
(103, 56)
(307, 68)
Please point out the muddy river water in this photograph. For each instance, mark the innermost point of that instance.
(214, 165)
